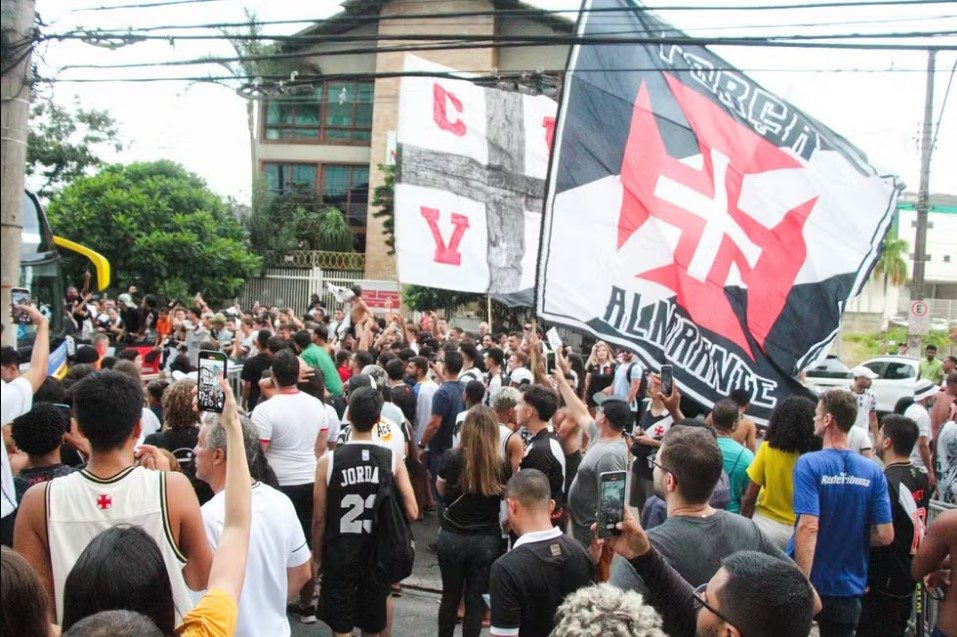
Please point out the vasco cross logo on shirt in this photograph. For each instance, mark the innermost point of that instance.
(723, 239)
(104, 502)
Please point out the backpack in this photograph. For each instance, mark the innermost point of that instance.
(393, 547)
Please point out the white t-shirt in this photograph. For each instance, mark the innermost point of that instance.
(290, 423)
(149, 424)
(472, 373)
(332, 421)
(494, 387)
(423, 407)
(16, 399)
(918, 413)
(866, 403)
(386, 433)
(625, 373)
(858, 440)
(276, 543)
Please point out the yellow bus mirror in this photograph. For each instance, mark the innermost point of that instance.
(100, 263)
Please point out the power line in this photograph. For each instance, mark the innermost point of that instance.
(451, 37)
(943, 106)
(484, 43)
(527, 13)
(312, 81)
(143, 5)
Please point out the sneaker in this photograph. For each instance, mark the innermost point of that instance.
(307, 615)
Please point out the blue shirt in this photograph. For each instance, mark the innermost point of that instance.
(447, 403)
(848, 494)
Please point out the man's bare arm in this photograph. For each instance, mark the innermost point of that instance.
(805, 542)
(30, 538)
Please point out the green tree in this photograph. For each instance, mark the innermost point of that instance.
(161, 228)
(891, 264)
(304, 222)
(384, 197)
(65, 144)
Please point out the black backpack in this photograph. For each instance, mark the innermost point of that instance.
(393, 549)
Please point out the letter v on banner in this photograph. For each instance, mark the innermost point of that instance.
(447, 253)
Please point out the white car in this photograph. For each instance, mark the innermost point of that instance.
(895, 379)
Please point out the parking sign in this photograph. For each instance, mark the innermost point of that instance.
(918, 322)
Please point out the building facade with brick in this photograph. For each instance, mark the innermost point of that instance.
(334, 137)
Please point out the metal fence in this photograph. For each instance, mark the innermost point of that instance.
(283, 287)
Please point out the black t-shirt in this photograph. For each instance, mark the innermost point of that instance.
(469, 513)
(181, 442)
(252, 372)
(528, 583)
(447, 403)
(131, 319)
(29, 477)
(889, 568)
(545, 453)
(404, 398)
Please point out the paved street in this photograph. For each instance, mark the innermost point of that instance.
(417, 609)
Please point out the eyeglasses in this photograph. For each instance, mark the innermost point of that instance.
(700, 599)
(653, 462)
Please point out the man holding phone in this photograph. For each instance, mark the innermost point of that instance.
(607, 452)
(15, 400)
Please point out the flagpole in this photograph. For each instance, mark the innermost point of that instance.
(488, 310)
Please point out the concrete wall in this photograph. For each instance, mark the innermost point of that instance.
(529, 58)
(941, 244)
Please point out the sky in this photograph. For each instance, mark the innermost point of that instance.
(873, 98)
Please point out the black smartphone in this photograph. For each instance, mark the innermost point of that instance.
(611, 502)
(20, 296)
(667, 380)
(549, 362)
(212, 368)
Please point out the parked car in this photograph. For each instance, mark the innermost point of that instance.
(830, 367)
(895, 379)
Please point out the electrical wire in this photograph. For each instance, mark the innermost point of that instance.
(310, 81)
(775, 42)
(943, 106)
(531, 13)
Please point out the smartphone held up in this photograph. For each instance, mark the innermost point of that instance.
(20, 296)
(667, 380)
(611, 502)
(212, 369)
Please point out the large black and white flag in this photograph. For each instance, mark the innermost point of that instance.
(697, 218)
(470, 180)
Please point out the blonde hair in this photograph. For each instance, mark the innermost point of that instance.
(606, 611)
(481, 460)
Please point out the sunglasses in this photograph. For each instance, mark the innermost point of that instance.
(700, 599)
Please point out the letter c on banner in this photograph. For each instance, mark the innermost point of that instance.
(440, 99)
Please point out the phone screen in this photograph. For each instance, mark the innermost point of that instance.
(549, 362)
(212, 368)
(611, 502)
(20, 296)
(667, 380)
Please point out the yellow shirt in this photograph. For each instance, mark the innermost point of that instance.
(773, 470)
(214, 616)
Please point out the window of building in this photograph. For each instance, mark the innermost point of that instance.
(347, 187)
(946, 258)
(281, 176)
(336, 112)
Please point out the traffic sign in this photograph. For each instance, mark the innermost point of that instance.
(918, 321)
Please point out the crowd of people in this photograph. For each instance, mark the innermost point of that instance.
(129, 511)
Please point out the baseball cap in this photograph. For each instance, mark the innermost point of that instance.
(361, 380)
(376, 373)
(866, 372)
(924, 389)
(125, 299)
(521, 376)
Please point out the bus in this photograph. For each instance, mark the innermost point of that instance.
(41, 272)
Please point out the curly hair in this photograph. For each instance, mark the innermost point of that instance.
(178, 411)
(40, 430)
(791, 426)
(606, 611)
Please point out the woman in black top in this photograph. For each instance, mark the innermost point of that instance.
(600, 368)
(472, 482)
(180, 431)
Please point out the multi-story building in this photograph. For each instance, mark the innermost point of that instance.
(335, 136)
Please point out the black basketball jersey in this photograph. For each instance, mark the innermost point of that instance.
(356, 471)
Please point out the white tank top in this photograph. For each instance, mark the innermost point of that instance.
(80, 506)
(504, 433)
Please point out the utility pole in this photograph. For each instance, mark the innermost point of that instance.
(16, 34)
(923, 198)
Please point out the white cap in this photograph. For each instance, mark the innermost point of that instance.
(866, 372)
(521, 376)
(924, 389)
